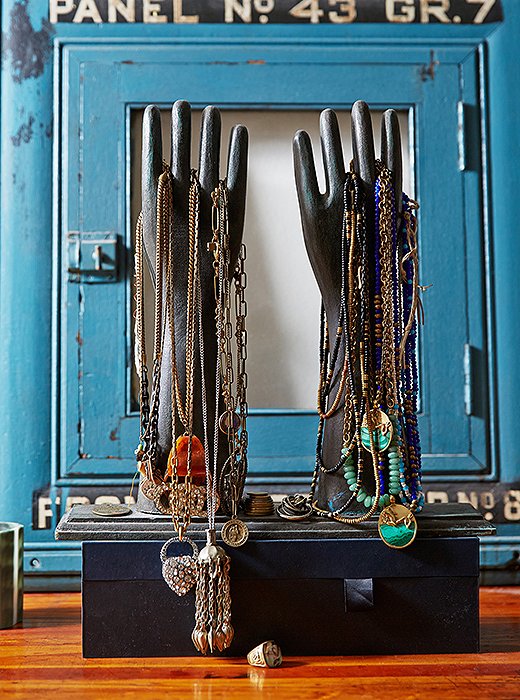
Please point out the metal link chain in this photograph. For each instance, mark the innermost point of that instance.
(388, 378)
(147, 452)
(233, 475)
(180, 500)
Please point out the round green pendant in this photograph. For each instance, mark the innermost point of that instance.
(381, 434)
(397, 526)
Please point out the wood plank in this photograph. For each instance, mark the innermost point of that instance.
(42, 657)
(435, 520)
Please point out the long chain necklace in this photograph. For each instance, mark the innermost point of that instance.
(187, 447)
(379, 378)
(147, 451)
(213, 629)
(176, 498)
(355, 335)
(233, 421)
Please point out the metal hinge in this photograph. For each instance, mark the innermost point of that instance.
(92, 257)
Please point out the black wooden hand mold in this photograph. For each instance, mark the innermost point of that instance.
(209, 175)
(321, 216)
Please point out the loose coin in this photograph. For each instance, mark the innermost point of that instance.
(111, 510)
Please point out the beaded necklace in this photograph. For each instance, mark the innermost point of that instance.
(378, 328)
(354, 331)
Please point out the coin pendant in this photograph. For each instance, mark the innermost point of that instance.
(381, 433)
(234, 533)
(111, 510)
(397, 526)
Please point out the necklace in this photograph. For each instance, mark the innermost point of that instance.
(186, 449)
(213, 629)
(147, 451)
(180, 498)
(379, 381)
(233, 421)
(355, 336)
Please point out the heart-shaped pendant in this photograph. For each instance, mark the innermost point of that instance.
(179, 571)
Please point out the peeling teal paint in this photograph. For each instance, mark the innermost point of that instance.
(24, 133)
(30, 49)
(34, 443)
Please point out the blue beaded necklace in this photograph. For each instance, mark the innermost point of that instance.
(377, 329)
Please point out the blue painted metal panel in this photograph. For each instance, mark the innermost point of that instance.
(103, 80)
(29, 404)
(25, 260)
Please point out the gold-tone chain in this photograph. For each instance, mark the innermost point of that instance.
(163, 213)
(140, 341)
(241, 338)
(233, 400)
(388, 378)
(181, 498)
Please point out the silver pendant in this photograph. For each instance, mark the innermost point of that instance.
(180, 572)
(213, 629)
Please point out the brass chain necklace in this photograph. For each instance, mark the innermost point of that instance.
(233, 421)
(213, 629)
(147, 451)
(181, 492)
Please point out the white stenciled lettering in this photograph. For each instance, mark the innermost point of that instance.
(437, 497)
(346, 12)
(107, 499)
(76, 500)
(87, 9)
(151, 13)
(484, 10)
(126, 10)
(59, 7)
(471, 498)
(263, 5)
(241, 8)
(307, 9)
(512, 505)
(44, 513)
(487, 503)
(400, 10)
(178, 14)
(434, 8)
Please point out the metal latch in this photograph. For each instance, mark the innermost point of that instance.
(92, 257)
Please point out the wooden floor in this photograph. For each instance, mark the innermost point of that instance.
(42, 659)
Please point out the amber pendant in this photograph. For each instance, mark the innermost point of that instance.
(178, 458)
(382, 431)
(397, 526)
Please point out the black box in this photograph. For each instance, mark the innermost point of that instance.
(316, 588)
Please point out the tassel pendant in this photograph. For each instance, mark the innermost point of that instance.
(213, 630)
